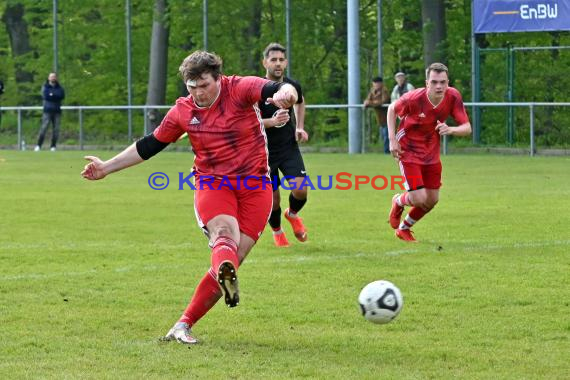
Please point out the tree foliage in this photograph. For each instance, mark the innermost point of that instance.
(92, 49)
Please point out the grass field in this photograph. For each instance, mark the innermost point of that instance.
(92, 273)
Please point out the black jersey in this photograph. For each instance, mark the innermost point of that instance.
(281, 138)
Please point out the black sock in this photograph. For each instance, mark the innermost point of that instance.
(275, 219)
(295, 204)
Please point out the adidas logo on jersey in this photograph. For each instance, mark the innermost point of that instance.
(422, 115)
(194, 121)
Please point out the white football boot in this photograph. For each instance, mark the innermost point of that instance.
(180, 333)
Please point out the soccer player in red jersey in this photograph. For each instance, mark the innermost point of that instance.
(423, 113)
(222, 120)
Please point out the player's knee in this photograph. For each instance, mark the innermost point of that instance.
(222, 230)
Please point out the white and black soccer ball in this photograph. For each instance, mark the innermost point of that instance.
(380, 301)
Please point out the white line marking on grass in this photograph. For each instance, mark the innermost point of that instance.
(90, 245)
(41, 276)
(401, 252)
(156, 268)
(530, 244)
(292, 259)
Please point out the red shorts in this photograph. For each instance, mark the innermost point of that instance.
(250, 205)
(419, 176)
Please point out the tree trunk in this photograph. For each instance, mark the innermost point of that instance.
(17, 29)
(337, 88)
(434, 31)
(156, 90)
(252, 54)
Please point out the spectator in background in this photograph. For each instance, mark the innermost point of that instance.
(52, 95)
(402, 86)
(378, 96)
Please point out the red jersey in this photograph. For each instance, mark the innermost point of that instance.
(227, 138)
(417, 135)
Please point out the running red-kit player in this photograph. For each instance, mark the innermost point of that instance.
(416, 145)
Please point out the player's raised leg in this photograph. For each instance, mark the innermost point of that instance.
(205, 296)
(224, 235)
(207, 293)
(415, 192)
(220, 279)
(423, 201)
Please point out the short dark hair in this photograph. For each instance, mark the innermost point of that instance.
(377, 79)
(198, 63)
(274, 46)
(438, 68)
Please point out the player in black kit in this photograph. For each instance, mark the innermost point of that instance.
(284, 129)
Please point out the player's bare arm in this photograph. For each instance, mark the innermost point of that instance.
(391, 120)
(280, 118)
(300, 134)
(138, 152)
(461, 130)
(98, 169)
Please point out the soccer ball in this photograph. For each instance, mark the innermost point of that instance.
(380, 302)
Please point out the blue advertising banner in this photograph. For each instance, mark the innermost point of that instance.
(497, 16)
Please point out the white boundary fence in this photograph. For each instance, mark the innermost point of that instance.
(80, 109)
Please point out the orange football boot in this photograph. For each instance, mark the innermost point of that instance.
(298, 226)
(395, 212)
(406, 235)
(280, 239)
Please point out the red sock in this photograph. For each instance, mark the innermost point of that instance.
(224, 249)
(205, 296)
(404, 199)
(416, 213)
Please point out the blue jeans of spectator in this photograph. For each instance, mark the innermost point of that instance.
(384, 134)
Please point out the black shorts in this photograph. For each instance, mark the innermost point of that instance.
(289, 163)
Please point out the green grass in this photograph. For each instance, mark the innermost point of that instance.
(92, 273)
